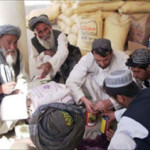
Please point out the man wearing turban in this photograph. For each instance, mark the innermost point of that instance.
(51, 51)
(139, 62)
(12, 70)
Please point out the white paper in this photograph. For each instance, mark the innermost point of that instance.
(14, 107)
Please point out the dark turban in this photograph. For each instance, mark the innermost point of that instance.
(36, 20)
(141, 56)
(10, 30)
(101, 43)
(57, 126)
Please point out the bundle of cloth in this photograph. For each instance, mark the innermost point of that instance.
(57, 126)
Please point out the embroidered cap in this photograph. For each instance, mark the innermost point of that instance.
(101, 43)
(141, 56)
(35, 20)
(119, 78)
(10, 30)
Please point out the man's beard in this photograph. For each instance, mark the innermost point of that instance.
(10, 56)
(49, 43)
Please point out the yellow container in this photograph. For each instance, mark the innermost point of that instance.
(104, 125)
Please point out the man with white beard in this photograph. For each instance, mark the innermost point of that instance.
(12, 73)
(51, 51)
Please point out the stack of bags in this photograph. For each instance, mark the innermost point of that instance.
(85, 20)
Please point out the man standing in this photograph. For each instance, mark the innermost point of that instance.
(12, 73)
(86, 79)
(51, 51)
(139, 62)
(134, 127)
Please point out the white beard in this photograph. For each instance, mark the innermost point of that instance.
(49, 43)
(10, 58)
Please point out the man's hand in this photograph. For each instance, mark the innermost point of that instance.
(102, 105)
(89, 105)
(49, 52)
(110, 134)
(110, 114)
(17, 91)
(46, 67)
(7, 88)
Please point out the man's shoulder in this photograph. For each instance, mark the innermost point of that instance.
(120, 55)
(88, 55)
(56, 33)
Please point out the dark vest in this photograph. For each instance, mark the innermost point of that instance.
(16, 68)
(139, 110)
(72, 59)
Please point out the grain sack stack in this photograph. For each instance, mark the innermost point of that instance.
(118, 20)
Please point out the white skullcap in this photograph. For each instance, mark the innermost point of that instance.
(119, 78)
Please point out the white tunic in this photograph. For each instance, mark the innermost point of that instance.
(127, 129)
(22, 85)
(87, 73)
(57, 60)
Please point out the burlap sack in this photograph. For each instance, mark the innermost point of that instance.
(135, 7)
(66, 8)
(66, 20)
(72, 38)
(137, 0)
(67, 30)
(84, 2)
(140, 29)
(105, 14)
(75, 29)
(116, 29)
(61, 25)
(111, 6)
(52, 11)
(89, 29)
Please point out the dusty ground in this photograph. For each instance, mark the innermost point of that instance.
(19, 140)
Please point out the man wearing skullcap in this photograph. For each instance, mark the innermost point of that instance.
(12, 69)
(86, 79)
(134, 126)
(139, 62)
(51, 51)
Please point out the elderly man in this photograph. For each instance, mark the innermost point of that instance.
(86, 79)
(134, 126)
(12, 73)
(51, 51)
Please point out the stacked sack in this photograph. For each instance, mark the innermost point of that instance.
(85, 20)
